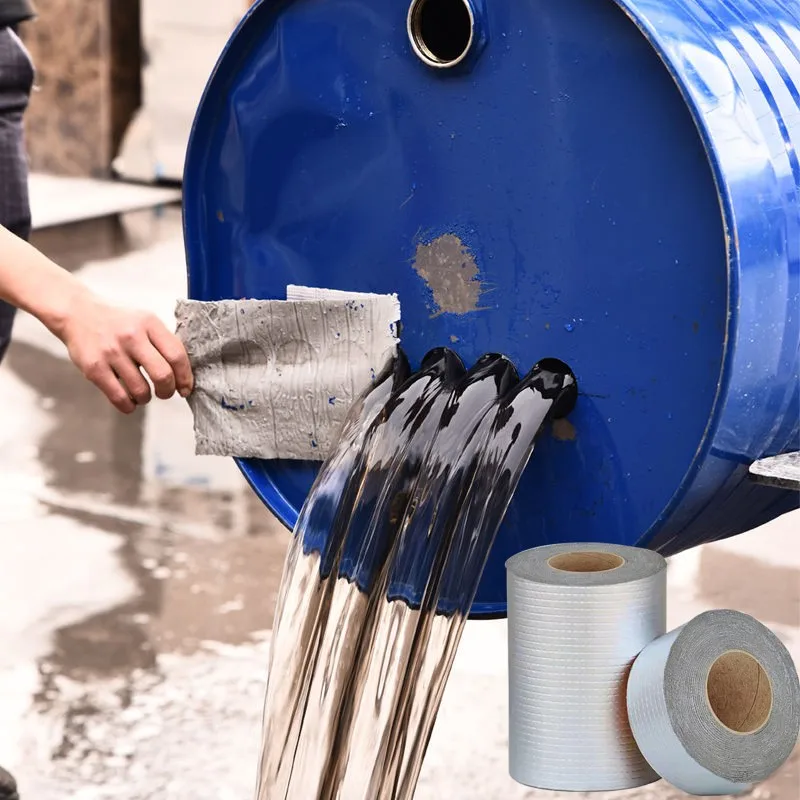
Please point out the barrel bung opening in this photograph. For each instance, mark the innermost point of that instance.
(441, 31)
(586, 561)
(739, 692)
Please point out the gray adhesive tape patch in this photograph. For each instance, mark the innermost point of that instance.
(578, 615)
(715, 705)
(275, 378)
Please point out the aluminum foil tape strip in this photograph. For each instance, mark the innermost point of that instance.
(578, 615)
(715, 704)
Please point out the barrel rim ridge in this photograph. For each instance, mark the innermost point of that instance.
(640, 12)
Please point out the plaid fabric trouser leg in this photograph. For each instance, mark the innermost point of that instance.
(16, 80)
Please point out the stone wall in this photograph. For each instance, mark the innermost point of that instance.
(88, 84)
(182, 40)
(99, 61)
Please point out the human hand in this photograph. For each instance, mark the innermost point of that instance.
(114, 346)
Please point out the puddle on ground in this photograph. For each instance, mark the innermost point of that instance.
(72, 246)
(105, 238)
(203, 552)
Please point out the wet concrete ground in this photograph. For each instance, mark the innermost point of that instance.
(138, 583)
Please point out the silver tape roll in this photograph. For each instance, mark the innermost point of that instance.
(578, 615)
(715, 705)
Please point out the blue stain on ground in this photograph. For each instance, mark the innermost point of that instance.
(332, 401)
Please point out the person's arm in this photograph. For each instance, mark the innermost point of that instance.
(109, 345)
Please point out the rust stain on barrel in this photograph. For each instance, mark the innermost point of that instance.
(449, 269)
(564, 430)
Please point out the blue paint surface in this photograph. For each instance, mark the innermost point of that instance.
(624, 175)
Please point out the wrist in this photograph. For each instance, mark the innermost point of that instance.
(56, 305)
(31, 281)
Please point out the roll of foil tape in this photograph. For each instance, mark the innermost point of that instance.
(715, 705)
(578, 615)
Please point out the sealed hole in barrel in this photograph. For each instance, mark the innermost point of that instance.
(441, 31)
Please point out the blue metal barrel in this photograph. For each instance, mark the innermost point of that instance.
(614, 184)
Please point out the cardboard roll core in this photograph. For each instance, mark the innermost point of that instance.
(739, 692)
(586, 561)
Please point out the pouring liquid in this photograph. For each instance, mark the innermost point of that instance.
(388, 553)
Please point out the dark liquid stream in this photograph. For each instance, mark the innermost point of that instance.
(393, 451)
(383, 659)
(549, 390)
(317, 537)
(387, 557)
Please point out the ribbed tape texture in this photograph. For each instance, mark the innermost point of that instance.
(570, 652)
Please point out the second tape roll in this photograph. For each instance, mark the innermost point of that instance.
(578, 615)
(715, 704)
